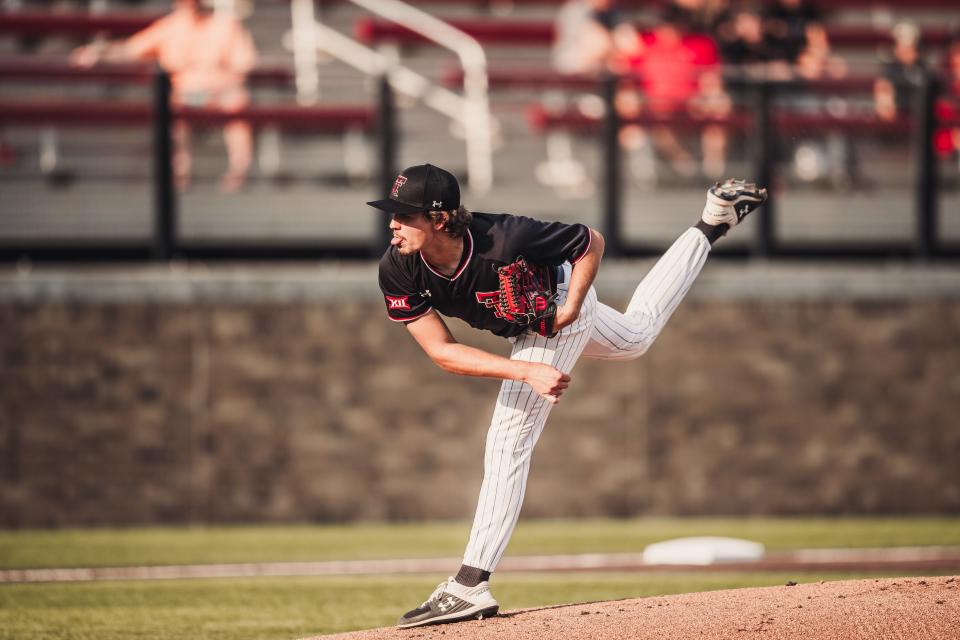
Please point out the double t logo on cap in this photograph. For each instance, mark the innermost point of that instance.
(399, 182)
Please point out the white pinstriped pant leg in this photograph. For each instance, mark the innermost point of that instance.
(518, 421)
(520, 414)
(624, 336)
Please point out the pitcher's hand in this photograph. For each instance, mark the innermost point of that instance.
(549, 382)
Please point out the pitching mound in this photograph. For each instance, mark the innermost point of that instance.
(907, 608)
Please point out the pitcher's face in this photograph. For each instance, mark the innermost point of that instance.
(411, 232)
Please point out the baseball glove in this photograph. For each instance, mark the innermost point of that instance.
(526, 296)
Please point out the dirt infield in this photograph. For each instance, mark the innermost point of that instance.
(888, 608)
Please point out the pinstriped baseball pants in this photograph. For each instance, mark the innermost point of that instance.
(520, 414)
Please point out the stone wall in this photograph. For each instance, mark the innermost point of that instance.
(150, 412)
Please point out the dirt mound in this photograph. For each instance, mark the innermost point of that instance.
(889, 608)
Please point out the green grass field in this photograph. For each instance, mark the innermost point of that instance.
(188, 545)
(281, 609)
(286, 608)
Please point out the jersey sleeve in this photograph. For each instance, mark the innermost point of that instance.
(550, 243)
(401, 295)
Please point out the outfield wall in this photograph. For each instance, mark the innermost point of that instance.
(282, 394)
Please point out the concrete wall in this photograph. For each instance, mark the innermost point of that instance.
(143, 408)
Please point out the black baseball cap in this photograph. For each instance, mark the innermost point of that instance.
(423, 187)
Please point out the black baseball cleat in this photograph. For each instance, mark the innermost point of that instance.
(730, 201)
(452, 602)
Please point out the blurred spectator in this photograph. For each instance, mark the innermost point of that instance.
(678, 73)
(947, 139)
(816, 60)
(796, 35)
(208, 56)
(697, 16)
(742, 42)
(797, 41)
(951, 66)
(789, 27)
(787, 40)
(893, 90)
(590, 35)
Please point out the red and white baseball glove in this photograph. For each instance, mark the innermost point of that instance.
(527, 296)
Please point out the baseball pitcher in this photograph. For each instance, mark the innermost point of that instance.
(532, 283)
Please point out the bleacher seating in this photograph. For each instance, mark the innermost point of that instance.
(527, 33)
(20, 67)
(543, 119)
(545, 78)
(73, 23)
(503, 26)
(74, 113)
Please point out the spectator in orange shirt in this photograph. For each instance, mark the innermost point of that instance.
(208, 56)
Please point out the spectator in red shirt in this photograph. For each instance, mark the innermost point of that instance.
(680, 73)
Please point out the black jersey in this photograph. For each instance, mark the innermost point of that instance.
(412, 287)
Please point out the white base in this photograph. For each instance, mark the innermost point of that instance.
(703, 551)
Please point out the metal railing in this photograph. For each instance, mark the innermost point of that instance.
(475, 113)
(164, 241)
(761, 125)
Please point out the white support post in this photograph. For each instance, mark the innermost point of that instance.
(49, 150)
(471, 111)
(304, 20)
(269, 157)
(476, 117)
